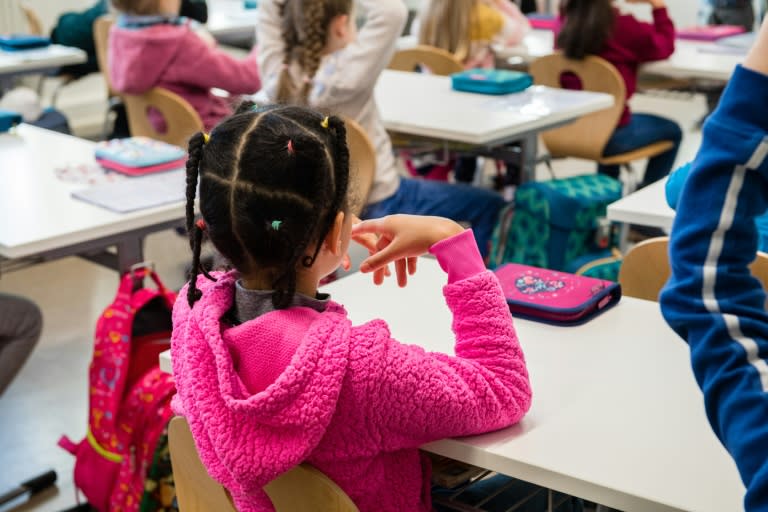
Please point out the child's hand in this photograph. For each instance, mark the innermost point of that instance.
(402, 239)
(369, 241)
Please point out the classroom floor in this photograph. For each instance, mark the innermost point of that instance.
(49, 398)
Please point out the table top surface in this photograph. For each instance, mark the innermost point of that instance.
(426, 105)
(646, 207)
(692, 59)
(37, 211)
(28, 61)
(617, 417)
(231, 18)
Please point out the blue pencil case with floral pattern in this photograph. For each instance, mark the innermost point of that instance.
(491, 81)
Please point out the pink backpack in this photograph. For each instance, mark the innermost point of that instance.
(129, 397)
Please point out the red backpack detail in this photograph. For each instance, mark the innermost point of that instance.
(129, 397)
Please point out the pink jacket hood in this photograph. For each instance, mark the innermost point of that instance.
(292, 413)
(131, 70)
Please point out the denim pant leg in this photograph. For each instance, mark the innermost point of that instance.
(642, 130)
(462, 203)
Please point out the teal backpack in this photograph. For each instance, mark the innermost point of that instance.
(558, 224)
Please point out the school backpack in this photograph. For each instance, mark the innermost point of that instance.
(129, 397)
(558, 224)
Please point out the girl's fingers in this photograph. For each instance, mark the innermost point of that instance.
(402, 274)
(412, 265)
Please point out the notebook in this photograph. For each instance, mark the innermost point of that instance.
(139, 155)
(708, 32)
(138, 193)
(542, 21)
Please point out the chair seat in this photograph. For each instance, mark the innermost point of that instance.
(648, 151)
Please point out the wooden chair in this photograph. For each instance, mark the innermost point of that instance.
(646, 269)
(101, 28)
(587, 137)
(181, 120)
(438, 61)
(362, 163)
(300, 489)
(33, 20)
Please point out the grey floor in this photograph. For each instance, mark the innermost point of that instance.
(49, 396)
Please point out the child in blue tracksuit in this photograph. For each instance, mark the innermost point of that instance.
(711, 299)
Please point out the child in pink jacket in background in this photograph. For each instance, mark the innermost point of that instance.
(270, 373)
(151, 46)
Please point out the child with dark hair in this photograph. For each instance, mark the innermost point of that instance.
(310, 53)
(597, 27)
(270, 373)
(152, 46)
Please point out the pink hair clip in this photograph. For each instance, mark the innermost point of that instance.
(290, 147)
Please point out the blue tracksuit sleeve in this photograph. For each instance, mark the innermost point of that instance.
(711, 300)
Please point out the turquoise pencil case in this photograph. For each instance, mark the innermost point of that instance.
(491, 81)
(9, 119)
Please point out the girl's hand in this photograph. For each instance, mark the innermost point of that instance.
(402, 239)
(369, 241)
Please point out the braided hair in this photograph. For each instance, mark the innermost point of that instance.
(305, 26)
(272, 182)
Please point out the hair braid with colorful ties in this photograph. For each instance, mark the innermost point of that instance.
(267, 209)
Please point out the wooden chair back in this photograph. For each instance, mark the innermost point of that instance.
(300, 489)
(437, 60)
(181, 120)
(645, 269)
(33, 20)
(362, 163)
(101, 27)
(585, 138)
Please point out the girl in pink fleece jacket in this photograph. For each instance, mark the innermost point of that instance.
(270, 373)
(151, 46)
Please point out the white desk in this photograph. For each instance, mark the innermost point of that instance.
(646, 207)
(425, 105)
(40, 219)
(697, 60)
(39, 59)
(617, 417)
(692, 59)
(229, 18)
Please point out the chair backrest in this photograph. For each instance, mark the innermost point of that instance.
(362, 162)
(585, 138)
(302, 488)
(437, 60)
(101, 28)
(646, 269)
(33, 20)
(181, 120)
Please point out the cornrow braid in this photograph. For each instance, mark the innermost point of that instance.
(272, 182)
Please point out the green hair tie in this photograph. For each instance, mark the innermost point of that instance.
(276, 224)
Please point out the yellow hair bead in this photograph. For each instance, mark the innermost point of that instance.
(325, 123)
(206, 138)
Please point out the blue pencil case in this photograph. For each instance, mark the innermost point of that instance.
(8, 120)
(15, 42)
(491, 81)
(138, 152)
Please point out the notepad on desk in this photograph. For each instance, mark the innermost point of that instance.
(138, 193)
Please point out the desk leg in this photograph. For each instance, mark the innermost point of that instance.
(129, 252)
(529, 146)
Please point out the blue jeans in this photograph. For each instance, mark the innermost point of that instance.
(462, 203)
(518, 491)
(642, 130)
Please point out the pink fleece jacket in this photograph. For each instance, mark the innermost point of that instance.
(176, 58)
(350, 400)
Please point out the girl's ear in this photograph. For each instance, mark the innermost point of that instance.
(339, 28)
(332, 240)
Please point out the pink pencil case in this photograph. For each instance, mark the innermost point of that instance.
(141, 171)
(708, 32)
(555, 297)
